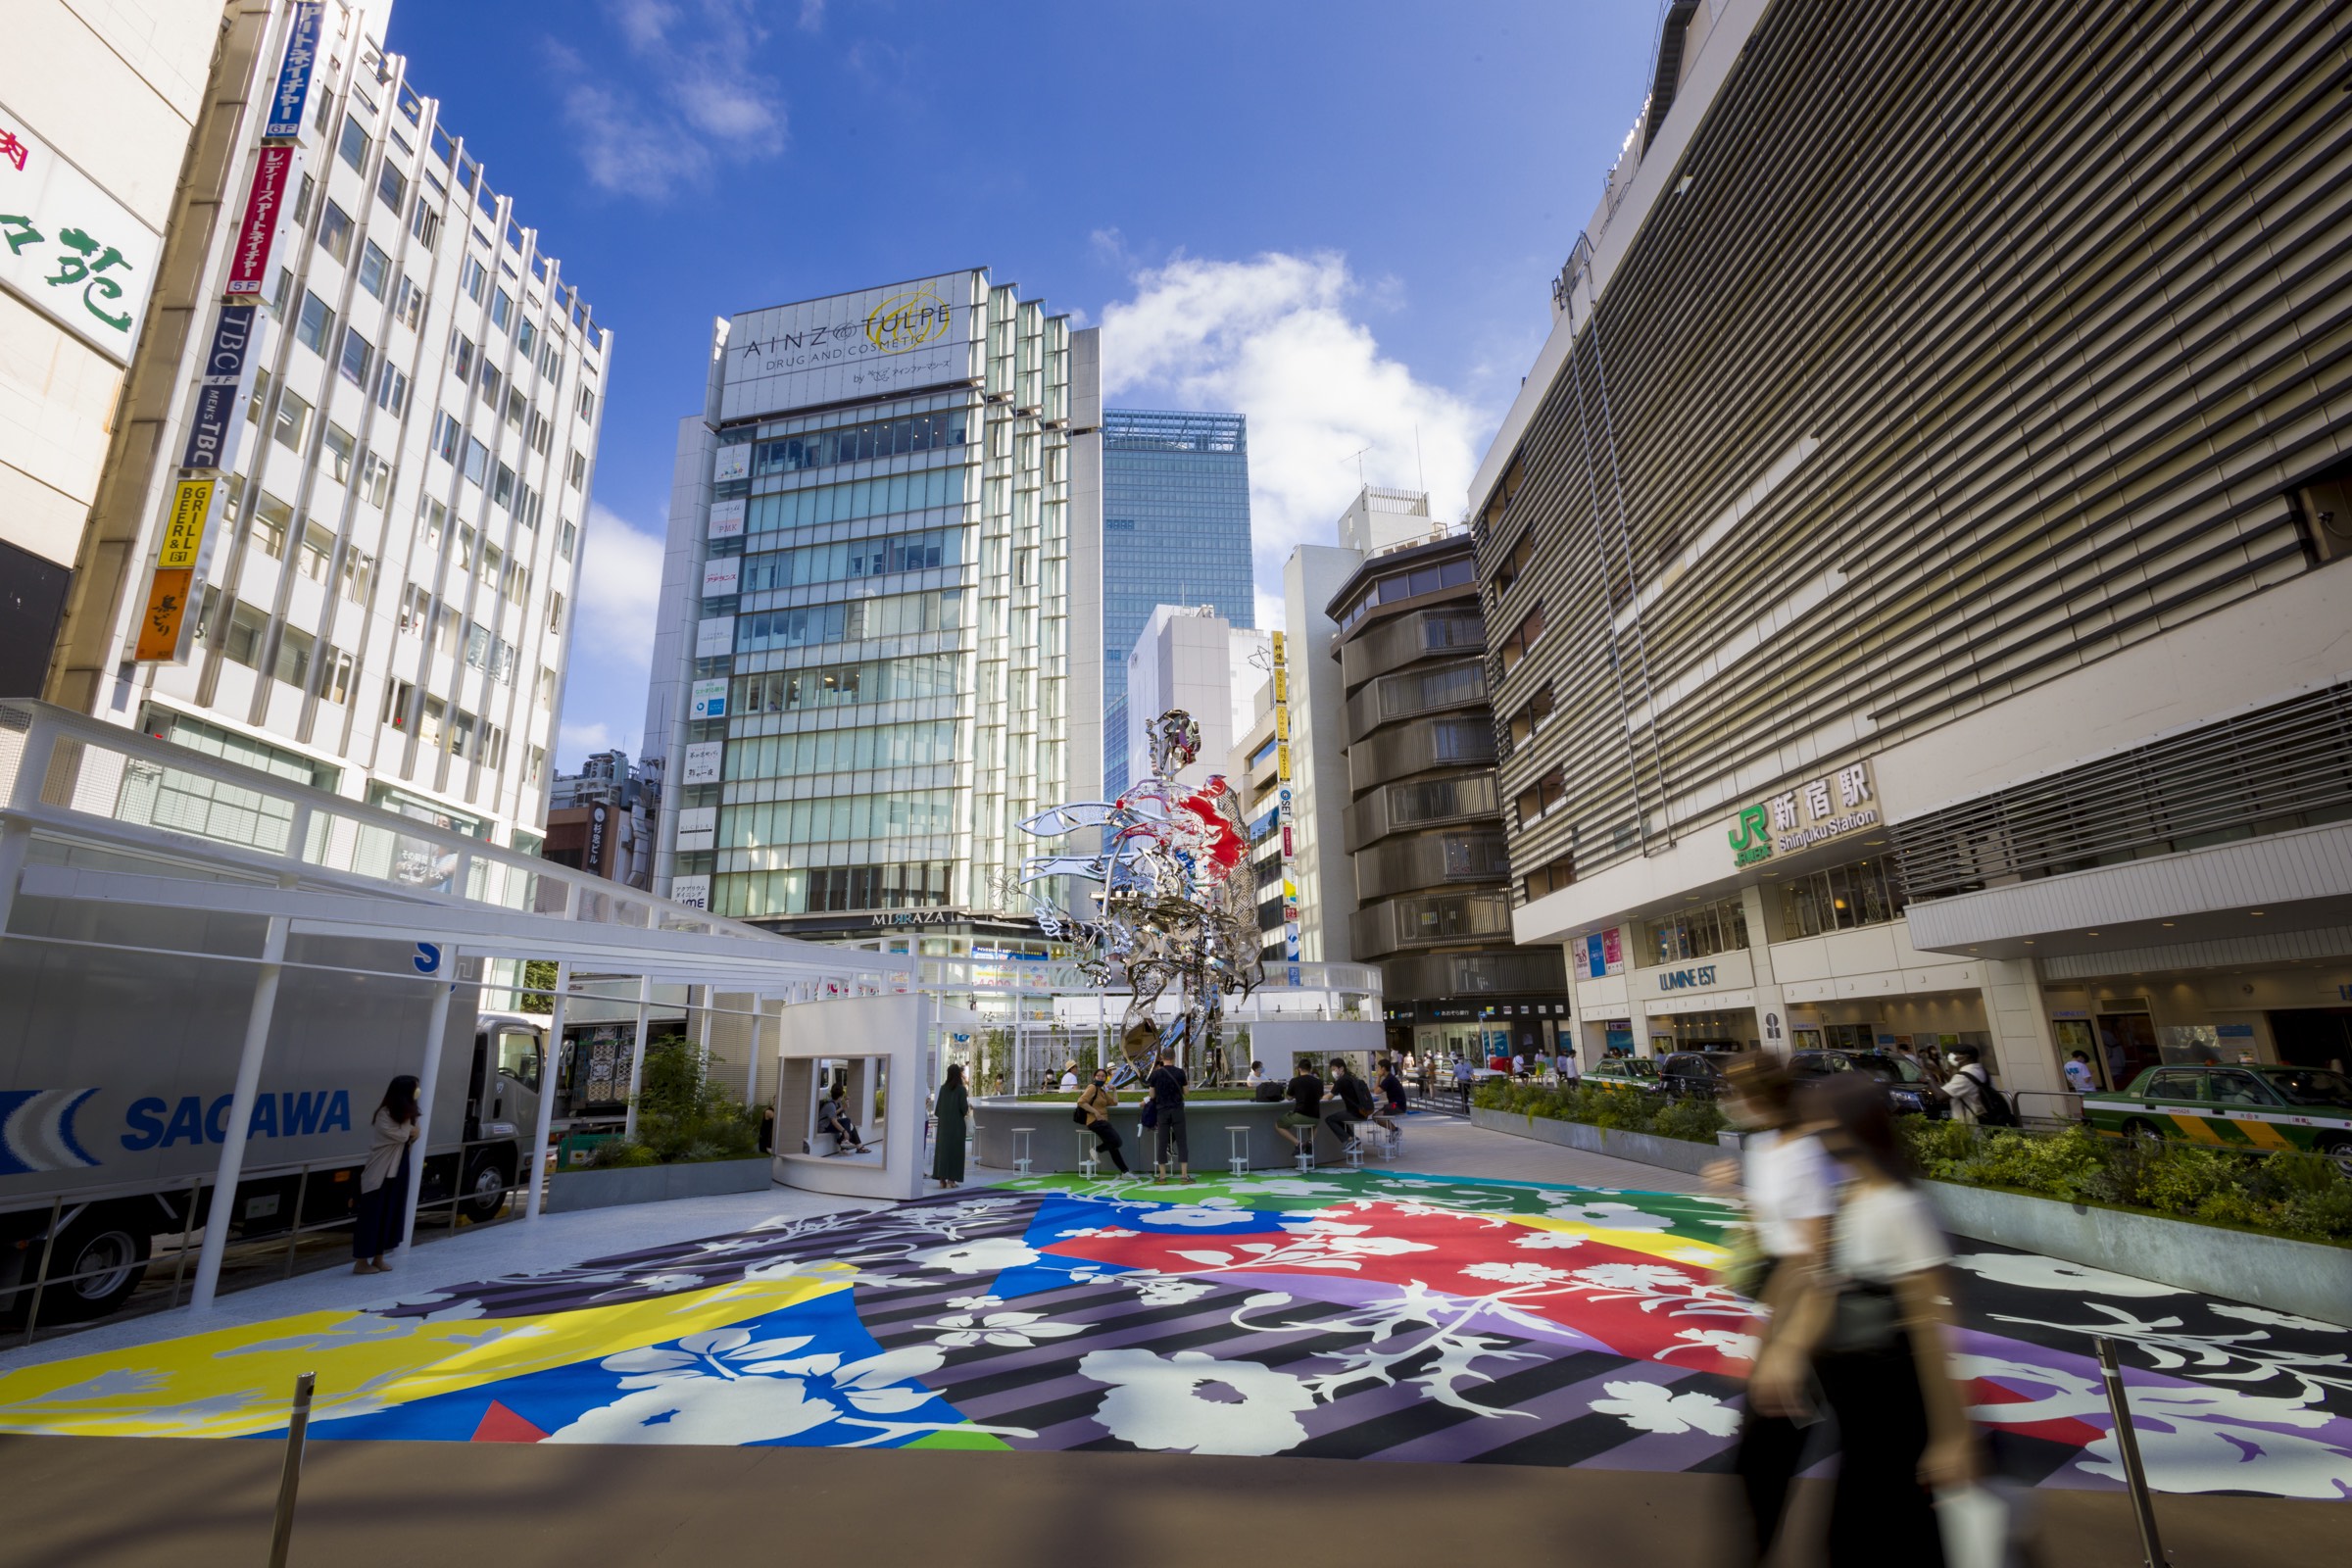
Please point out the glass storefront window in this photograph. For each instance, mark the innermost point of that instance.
(1841, 897)
(1695, 933)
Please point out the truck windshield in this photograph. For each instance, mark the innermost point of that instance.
(2310, 1086)
(518, 1056)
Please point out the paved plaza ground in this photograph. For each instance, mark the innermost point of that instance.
(1500, 1350)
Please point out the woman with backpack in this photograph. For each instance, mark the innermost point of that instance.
(1975, 1101)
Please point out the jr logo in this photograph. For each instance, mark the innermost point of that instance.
(1751, 840)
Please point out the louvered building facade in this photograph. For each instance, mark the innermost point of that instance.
(1913, 568)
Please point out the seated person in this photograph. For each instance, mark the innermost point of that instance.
(833, 1116)
(1355, 1104)
(1392, 1088)
(1306, 1094)
(1262, 1089)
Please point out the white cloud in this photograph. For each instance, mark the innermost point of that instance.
(812, 15)
(612, 637)
(1279, 338)
(690, 95)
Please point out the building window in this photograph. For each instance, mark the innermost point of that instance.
(579, 470)
(392, 391)
(502, 491)
(415, 606)
(492, 382)
(302, 199)
(1543, 797)
(472, 277)
(334, 232)
(391, 187)
(1550, 877)
(294, 658)
(358, 352)
(1515, 563)
(293, 421)
(502, 308)
(555, 613)
(1530, 720)
(376, 478)
(336, 670)
(280, 293)
(477, 460)
(425, 225)
(352, 145)
(399, 699)
(587, 403)
(242, 643)
(447, 432)
(317, 549)
(525, 335)
(326, 113)
(536, 766)
(568, 540)
(272, 520)
(460, 349)
(1523, 638)
(1840, 899)
(408, 305)
(376, 267)
(340, 449)
(1699, 933)
(515, 403)
(261, 396)
(315, 329)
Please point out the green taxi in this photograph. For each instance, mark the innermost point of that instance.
(1624, 1072)
(2240, 1108)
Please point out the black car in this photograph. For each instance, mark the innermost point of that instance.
(1909, 1090)
(1694, 1074)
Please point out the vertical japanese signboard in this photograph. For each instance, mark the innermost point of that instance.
(69, 250)
(1282, 775)
(294, 72)
(274, 172)
(222, 384)
(165, 613)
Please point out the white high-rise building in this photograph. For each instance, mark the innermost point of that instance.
(338, 531)
(1192, 658)
(866, 669)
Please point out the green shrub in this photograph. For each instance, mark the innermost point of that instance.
(683, 1117)
(2290, 1194)
(1617, 1109)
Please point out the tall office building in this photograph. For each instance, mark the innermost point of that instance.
(871, 661)
(1175, 531)
(63, 348)
(1937, 636)
(336, 532)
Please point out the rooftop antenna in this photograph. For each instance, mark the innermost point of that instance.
(1358, 457)
(1418, 467)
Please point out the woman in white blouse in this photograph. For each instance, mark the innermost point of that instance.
(1874, 1324)
(385, 1179)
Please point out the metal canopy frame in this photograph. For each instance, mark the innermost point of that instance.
(314, 862)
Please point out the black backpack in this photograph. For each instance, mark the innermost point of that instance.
(1997, 1112)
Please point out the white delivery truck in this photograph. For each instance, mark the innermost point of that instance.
(120, 1031)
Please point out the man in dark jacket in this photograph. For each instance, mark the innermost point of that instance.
(1305, 1094)
(1356, 1104)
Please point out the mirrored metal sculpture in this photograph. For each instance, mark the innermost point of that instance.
(1157, 911)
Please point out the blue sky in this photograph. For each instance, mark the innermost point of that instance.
(1341, 219)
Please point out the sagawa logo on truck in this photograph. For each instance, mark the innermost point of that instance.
(37, 1131)
(191, 1121)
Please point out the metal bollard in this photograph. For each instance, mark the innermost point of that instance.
(289, 1480)
(2126, 1446)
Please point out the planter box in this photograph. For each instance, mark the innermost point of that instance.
(653, 1184)
(2305, 1278)
(1648, 1149)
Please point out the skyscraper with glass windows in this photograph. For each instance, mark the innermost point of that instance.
(1175, 531)
(867, 671)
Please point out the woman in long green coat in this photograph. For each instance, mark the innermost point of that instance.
(953, 1105)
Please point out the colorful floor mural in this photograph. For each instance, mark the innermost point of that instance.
(1367, 1316)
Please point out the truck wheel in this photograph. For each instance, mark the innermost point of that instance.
(2339, 1150)
(111, 1256)
(486, 1189)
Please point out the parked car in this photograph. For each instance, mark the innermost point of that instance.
(1694, 1074)
(1909, 1090)
(2245, 1107)
(1624, 1072)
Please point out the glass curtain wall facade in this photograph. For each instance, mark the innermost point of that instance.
(1175, 531)
(875, 683)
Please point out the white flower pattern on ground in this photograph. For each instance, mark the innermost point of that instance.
(990, 1255)
(723, 1387)
(1155, 1403)
(1612, 1217)
(1728, 1342)
(2033, 1271)
(1010, 1330)
(1514, 1273)
(1548, 1241)
(1161, 1290)
(1653, 1408)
